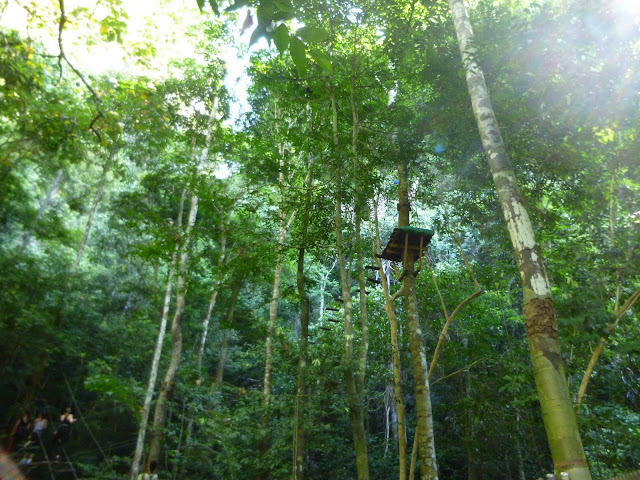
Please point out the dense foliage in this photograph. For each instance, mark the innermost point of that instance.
(97, 173)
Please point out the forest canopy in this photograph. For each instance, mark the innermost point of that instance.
(292, 239)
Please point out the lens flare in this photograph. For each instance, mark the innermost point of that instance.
(630, 7)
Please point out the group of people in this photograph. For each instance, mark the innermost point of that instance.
(27, 431)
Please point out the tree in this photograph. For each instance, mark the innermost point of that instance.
(555, 401)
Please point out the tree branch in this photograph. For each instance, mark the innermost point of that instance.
(63, 56)
(436, 353)
(601, 344)
(468, 367)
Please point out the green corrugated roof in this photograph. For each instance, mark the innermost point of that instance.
(425, 232)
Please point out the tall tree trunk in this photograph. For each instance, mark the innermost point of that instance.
(521, 474)
(146, 408)
(301, 390)
(275, 294)
(425, 438)
(359, 213)
(94, 206)
(538, 308)
(356, 407)
(235, 292)
(397, 372)
(224, 226)
(469, 430)
(275, 298)
(168, 384)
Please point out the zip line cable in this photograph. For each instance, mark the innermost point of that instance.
(73, 399)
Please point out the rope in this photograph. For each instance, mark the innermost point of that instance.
(73, 470)
(73, 399)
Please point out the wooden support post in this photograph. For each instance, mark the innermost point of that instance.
(420, 254)
(406, 252)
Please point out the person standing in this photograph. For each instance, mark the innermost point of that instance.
(40, 424)
(63, 433)
(20, 431)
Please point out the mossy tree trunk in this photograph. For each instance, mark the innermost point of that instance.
(425, 437)
(395, 351)
(301, 389)
(354, 400)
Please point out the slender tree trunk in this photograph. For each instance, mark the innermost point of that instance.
(224, 225)
(538, 308)
(301, 390)
(146, 408)
(235, 292)
(169, 382)
(273, 312)
(275, 298)
(397, 371)
(94, 206)
(168, 385)
(179, 473)
(222, 358)
(359, 213)
(469, 433)
(356, 407)
(425, 438)
(521, 474)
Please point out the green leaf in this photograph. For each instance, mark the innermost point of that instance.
(281, 15)
(312, 34)
(235, 5)
(200, 4)
(264, 16)
(323, 60)
(214, 7)
(284, 6)
(281, 38)
(298, 51)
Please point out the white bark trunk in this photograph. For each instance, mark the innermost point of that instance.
(146, 408)
(168, 384)
(539, 312)
(224, 225)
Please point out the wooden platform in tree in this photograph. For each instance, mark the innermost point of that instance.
(414, 239)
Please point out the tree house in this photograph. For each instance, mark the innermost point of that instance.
(407, 244)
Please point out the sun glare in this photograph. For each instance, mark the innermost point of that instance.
(631, 7)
